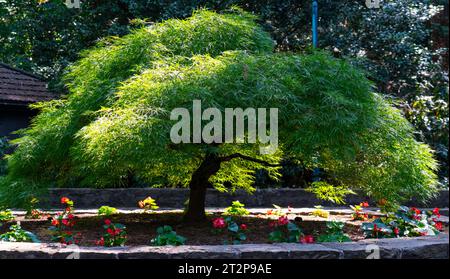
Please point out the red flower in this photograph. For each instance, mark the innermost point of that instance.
(65, 200)
(307, 239)
(436, 212)
(107, 222)
(117, 231)
(396, 231)
(70, 216)
(65, 222)
(283, 220)
(438, 226)
(219, 223)
(273, 224)
(55, 222)
(243, 227)
(417, 217)
(269, 212)
(364, 204)
(100, 242)
(415, 210)
(110, 231)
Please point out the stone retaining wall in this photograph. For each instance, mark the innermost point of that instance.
(401, 248)
(175, 198)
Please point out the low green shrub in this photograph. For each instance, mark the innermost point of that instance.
(17, 234)
(236, 209)
(334, 233)
(167, 236)
(406, 221)
(106, 211)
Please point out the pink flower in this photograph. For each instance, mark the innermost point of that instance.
(243, 227)
(438, 226)
(107, 222)
(283, 220)
(219, 223)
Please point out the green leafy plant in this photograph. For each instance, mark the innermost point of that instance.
(405, 222)
(334, 233)
(320, 212)
(236, 209)
(167, 236)
(116, 235)
(148, 204)
(283, 229)
(328, 192)
(234, 233)
(17, 234)
(106, 211)
(6, 215)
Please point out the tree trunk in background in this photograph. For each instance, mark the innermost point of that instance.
(195, 212)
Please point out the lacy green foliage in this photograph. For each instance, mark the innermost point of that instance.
(334, 233)
(17, 234)
(116, 121)
(236, 209)
(167, 236)
(44, 152)
(395, 44)
(328, 192)
(106, 211)
(4, 145)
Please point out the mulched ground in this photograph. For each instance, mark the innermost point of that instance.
(141, 228)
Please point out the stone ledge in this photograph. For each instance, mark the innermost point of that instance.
(176, 197)
(401, 248)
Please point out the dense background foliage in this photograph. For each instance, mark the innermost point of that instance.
(402, 46)
(114, 126)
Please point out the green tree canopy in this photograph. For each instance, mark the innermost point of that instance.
(115, 123)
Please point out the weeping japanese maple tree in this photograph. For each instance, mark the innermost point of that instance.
(115, 124)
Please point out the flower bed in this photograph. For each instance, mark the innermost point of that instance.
(141, 228)
(245, 232)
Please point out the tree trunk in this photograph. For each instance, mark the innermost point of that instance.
(195, 212)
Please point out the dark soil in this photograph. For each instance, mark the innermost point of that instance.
(141, 228)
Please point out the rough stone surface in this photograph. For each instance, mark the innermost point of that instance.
(401, 248)
(175, 198)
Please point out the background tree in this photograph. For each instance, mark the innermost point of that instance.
(115, 121)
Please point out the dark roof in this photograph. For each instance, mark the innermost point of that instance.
(18, 87)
